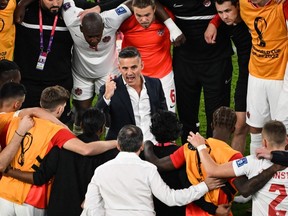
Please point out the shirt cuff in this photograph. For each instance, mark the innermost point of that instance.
(202, 187)
(107, 101)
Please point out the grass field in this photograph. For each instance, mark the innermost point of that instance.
(237, 209)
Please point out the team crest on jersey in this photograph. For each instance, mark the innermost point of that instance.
(206, 3)
(106, 39)
(78, 91)
(66, 6)
(161, 32)
(120, 10)
(241, 162)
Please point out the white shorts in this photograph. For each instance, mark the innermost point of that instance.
(282, 106)
(168, 86)
(262, 100)
(85, 88)
(8, 208)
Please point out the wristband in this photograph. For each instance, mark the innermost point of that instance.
(19, 134)
(173, 29)
(201, 147)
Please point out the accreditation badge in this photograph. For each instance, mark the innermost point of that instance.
(41, 61)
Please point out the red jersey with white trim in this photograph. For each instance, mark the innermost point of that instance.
(153, 43)
(40, 139)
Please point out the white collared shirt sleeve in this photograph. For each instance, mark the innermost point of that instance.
(107, 101)
(173, 197)
(93, 204)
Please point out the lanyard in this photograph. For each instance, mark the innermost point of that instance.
(41, 32)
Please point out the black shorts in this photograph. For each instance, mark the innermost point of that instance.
(240, 96)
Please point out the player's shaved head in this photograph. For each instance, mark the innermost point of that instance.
(92, 22)
(92, 28)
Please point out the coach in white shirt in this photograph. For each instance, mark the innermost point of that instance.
(124, 185)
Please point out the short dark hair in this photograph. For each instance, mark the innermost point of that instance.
(129, 52)
(165, 126)
(93, 121)
(143, 3)
(224, 117)
(8, 71)
(53, 96)
(6, 65)
(130, 138)
(233, 2)
(92, 21)
(275, 132)
(12, 90)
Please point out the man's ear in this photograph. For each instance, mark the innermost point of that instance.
(60, 110)
(264, 142)
(142, 147)
(118, 146)
(17, 105)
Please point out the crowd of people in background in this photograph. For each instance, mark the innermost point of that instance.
(87, 129)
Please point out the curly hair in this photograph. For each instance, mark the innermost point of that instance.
(224, 117)
(165, 126)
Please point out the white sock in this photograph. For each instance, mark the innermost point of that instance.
(256, 142)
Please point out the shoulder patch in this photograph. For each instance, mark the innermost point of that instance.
(66, 6)
(241, 161)
(120, 10)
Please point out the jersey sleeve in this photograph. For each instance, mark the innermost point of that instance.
(178, 158)
(70, 13)
(216, 21)
(47, 167)
(241, 166)
(114, 18)
(234, 157)
(61, 137)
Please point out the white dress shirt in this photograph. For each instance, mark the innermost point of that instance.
(141, 109)
(124, 187)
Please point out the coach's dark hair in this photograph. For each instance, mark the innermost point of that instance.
(130, 138)
(233, 2)
(165, 126)
(93, 121)
(129, 52)
(224, 117)
(275, 132)
(143, 3)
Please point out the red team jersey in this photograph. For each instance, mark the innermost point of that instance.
(153, 43)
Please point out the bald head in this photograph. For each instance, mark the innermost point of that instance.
(92, 21)
(92, 28)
